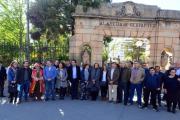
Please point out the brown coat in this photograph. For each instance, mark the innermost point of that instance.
(115, 76)
(139, 77)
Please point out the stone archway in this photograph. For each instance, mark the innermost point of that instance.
(127, 19)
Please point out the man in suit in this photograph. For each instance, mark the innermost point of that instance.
(24, 79)
(137, 77)
(56, 64)
(113, 76)
(144, 66)
(49, 74)
(74, 76)
(68, 64)
(2, 79)
(89, 63)
(124, 77)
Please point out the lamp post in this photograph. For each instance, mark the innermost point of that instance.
(27, 52)
(139, 44)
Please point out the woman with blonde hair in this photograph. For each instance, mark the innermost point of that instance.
(36, 88)
(12, 79)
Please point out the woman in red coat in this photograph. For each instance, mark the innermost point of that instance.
(36, 88)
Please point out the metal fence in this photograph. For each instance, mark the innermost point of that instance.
(37, 53)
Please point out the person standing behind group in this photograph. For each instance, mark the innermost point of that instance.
(74, 76)
(56, 64)
(113, 76)
(124, 77)
(36, 88)
(137, 77)
(49, 74)
(68, 64)
(172, 90)
(104, 82)
(106, 64)
(89, 63)
(151, 85)
(24, 79)
(61, 82)
(12, 78)
(85, 79)
(3, 77)
(94, 83)
(130, 65)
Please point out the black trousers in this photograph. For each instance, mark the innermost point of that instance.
(153, 95)
(128, 89)
(103, 91)
(2, 87)
(94, 95)
(169, 104)
(13, 95)
(74, 88)
(62, 92)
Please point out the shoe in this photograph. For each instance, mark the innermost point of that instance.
(119, 102)
(160, 105)
(26, 100)
(129, 103)
(150, 104)
(109, 101)
(39, 99)
(125, 103)
(144, 107)
(3, 96)
(140, 106)
(169, 109)
(174, 111)
(102, 98)
(53, 99)
(59, 98)
(155, 109)
(165, 105)
(114, 102)
(62, 98)
(77, 98)
(72, 98)
(46, 99)
(18, 102)
(33, 99)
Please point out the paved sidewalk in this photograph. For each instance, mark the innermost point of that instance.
(79, 110)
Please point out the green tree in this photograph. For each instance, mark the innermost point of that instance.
(131, 50)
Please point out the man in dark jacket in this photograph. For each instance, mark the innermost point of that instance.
(23, 79)
(124, 77)
(2, 79)
(74, 76)
(151, 85)
(68, 64)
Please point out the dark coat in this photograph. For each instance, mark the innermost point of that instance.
(101, 77)
(83, 78)
(20, 75)
(70, 73)
(161, 78)
(3, 74)
(126, 75)
(94, 77)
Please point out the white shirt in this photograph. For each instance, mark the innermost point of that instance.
(112, 72)
(7, 70)
(74, 73)
(49, 68)
(104, 77)
(178, 72)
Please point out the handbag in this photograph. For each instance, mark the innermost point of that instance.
(94, 89)
(12, 88)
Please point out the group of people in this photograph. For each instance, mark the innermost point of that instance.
(117, 78)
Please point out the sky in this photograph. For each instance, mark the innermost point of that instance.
(163, 4)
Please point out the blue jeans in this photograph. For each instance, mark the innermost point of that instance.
(138, 88)
(25, 87)
(48, 85)
(123, 86)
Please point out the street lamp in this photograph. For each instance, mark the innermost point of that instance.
(139, 44)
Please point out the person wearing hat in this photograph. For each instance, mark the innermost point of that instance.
(36, 88)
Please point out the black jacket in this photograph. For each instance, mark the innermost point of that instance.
(101, 77)
(3, 73)
(70, 73)
(20, 75)
(126, 75)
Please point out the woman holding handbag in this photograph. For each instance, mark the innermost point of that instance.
(94, 83)
(36, 88)
(104, 83)
(61, 82)
(12, 78)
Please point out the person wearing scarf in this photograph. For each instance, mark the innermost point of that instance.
(36, 88)
(12, 78)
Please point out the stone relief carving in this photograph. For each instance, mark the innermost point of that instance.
(164, 58)
(85, 56)
(129, 9)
